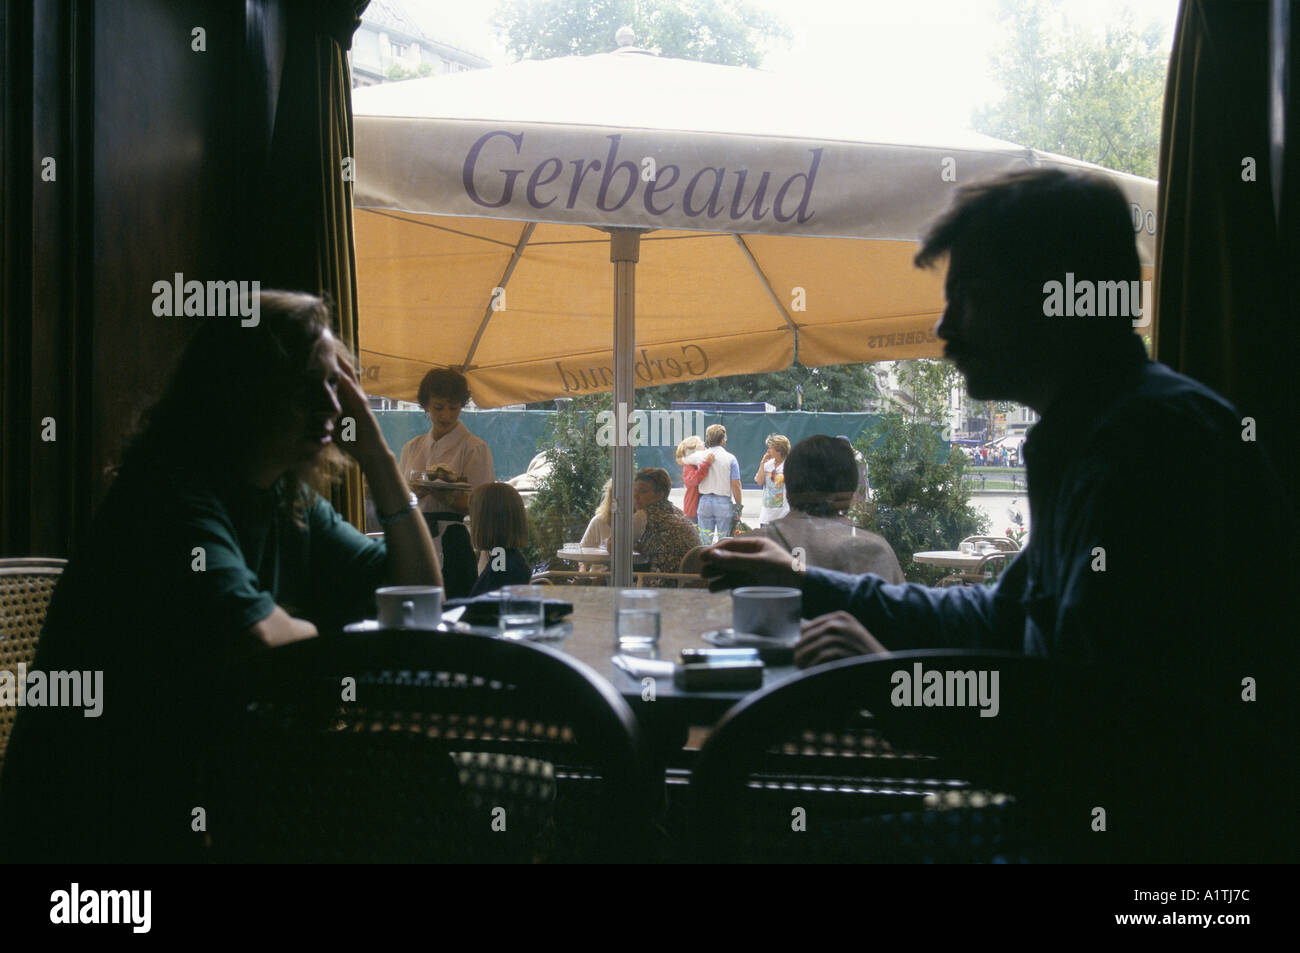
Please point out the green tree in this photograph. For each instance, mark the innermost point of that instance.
(1070, 91)
(918, 499)
(839, 387)
(398, 72)
(728, 32)
(566, 497)
(931, 382)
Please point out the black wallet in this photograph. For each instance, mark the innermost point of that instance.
(484, 609)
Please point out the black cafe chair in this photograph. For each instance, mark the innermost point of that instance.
(823, 767)
(400, 746)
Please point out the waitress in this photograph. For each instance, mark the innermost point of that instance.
(443, 394)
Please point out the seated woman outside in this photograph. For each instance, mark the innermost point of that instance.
(213, 542)
(821, 479)
(668, 535)
(498, 525)
(600, 529)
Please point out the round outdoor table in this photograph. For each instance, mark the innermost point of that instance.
(591, 554)
(949, 558)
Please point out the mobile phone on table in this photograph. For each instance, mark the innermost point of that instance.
(705, 656)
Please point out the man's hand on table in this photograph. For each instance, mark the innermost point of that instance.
(834, 636)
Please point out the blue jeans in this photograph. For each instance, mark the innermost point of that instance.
(714, 515)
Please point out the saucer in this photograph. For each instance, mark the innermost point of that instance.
(771, 651)
(372, 625)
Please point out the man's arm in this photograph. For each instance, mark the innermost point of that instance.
(906, 616)
(735, 481)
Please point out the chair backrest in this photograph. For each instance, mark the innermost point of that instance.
(988, 567)
(563, 577)
(26, 585)
(669, 580)
(691, 562)
(854, 743)
(1004, 543)
(402, 746)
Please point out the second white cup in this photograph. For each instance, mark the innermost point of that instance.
(772, 611)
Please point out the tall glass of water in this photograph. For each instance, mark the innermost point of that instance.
(522, 613)
(636, 620)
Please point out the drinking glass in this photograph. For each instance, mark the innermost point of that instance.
(636, 620)
(522, 612)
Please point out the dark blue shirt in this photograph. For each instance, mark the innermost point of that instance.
(516, 573)
(1156, 533)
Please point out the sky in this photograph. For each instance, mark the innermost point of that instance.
(924, 57)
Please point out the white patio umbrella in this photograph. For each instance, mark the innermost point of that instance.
(769, 219)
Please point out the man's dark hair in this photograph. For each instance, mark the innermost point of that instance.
(657, 478)
(821, 475)
(1026, 228)
(445, 383)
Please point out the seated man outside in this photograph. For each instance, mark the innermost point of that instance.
(668, 535)
(1136, 560)
(213, 542)
(821, 479)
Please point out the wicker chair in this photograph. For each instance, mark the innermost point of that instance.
(669, 580)
(26, 585)
(1003, 544)
(564, 577)
(879, 783)
(445, 736)
(691, 562)
(1182, 778)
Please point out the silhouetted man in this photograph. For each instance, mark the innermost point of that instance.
(1157, 521)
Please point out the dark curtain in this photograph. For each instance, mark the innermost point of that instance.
(303, 202)
(1227, 243)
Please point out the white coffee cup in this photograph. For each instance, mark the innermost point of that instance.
(409, 607)
(772, 611)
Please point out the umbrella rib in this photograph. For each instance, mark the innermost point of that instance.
(440, 228)
(488, 311)
(767, 285)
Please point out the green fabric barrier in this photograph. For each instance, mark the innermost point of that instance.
(513, 435)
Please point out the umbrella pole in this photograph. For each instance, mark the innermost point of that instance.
(624, 250)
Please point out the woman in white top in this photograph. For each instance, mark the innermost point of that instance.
(443, 394)
(600, 528)
(771, 477)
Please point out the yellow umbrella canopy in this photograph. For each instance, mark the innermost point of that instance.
(774, 219)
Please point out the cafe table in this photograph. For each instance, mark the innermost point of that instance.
(950, 558)
(592, 555)
(666, 711)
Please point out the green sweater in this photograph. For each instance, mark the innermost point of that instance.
(174, 571)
